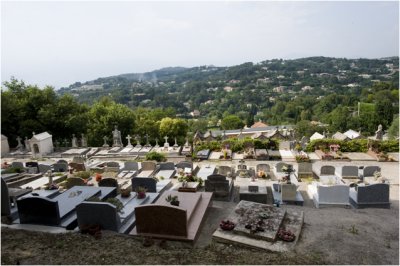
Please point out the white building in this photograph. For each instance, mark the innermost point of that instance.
(316, 136)
(41, 144)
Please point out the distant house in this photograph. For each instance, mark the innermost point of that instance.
(195, 113)
(340, 136)
(351, 134)
(228, 89)
(316, 136)
(41, 144)
(258, 124)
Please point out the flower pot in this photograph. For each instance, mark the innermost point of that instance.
(141, 195)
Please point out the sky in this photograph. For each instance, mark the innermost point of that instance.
(60, 43)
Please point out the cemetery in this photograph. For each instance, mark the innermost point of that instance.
(266, 195)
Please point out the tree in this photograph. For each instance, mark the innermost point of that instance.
(103, 116)
(173, 128)
(394, 129)
(231, 122)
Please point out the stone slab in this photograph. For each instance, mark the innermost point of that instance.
(215, 155)
(358, 156)
(293, 221)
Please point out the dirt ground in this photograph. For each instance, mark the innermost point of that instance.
(330, 235)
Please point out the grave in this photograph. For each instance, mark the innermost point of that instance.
(60, 210)
(220, 186)
(257, 225)
(107, 216)
(163, 220)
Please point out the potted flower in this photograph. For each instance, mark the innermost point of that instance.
(288, 170)
(98, 177)
(173, 200)
(141, 192)
(125, 193)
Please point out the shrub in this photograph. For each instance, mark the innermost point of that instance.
(82, 174)
(155, 156)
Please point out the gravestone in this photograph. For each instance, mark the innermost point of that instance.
(219, 185)
(349, 171)
(327, 170)
(105, 145)
(263, 167)
(131, 166)
(379, 133)
(184, 164)
(74, 181)
(370, 170)
(60, 167)
(105, 212)
(146, 182)
(74, 141)
(147, 141)
(279, 167)
(27, 146)
(129, 142)
(108, 182)
(43, 168)
(20, 147)
(83, 141)
(253, 188)
(157, 146)
(166, 144)
(137, 138)
(117, 141)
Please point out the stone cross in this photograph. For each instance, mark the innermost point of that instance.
(66, 142)
(74, 141)
(176, 144)
(166, 144)
(137, 138)
(83, 141)
(147, 140)
(27, 146)
(166, 138)
(105, 145)
(20, 146)
(157, 143)
(129, 142)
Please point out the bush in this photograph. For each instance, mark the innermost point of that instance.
(12, 170)
(155, 156)
(355, 145)
(82, 174)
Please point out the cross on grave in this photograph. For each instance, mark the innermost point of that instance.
(83, 141)
(157, 143)
(137, 138)
(74, 141)
(27, 146)
(105, 145)
(147, 140)
(19, 146)
(176, 144)
(166, 144)
(129, 140)
(66, 142)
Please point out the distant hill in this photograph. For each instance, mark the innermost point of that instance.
(248, 87)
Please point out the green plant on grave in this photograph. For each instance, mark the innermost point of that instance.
(353, 229)
(156, 156)
(114, 201)
(82, 174)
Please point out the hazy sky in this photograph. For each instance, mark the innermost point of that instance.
(47, 43)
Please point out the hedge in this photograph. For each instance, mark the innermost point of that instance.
(356, 145)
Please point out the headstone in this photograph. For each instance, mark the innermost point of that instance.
(176, 144)
(105, 145)
(20, 147)
(137, 138)
(166, 144)
(108, 182)
(74, 141)
(27, 146)
(157, 146)
(117, 141)
(379, 133)
(253, 188)
(60, 167)
(148, 183)
(43, 168)
(66, 143)
(129, 142)
(327, 170)
(83, 141)
(147, 141)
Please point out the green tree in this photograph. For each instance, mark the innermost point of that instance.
(174, 128)
(394, 129)
(231, 122)
(103, 116)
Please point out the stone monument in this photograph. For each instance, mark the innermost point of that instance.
(129, 142)
(166, 144)
(74, 141)
(105, 145)
(20, 146)
(27, 146)
(157, 146)
(379, 133)
(137, 138)
(83, 141)
(117, 141)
